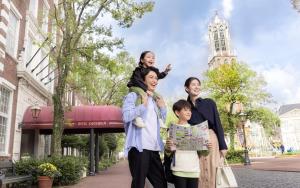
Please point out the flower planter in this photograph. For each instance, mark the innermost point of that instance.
(45, 182)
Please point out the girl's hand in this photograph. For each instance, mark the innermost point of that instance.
(168, 68)
(145, 99)
(149, 93)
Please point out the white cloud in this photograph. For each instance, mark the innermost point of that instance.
(227, 8)
(274, 53)
(283, 82)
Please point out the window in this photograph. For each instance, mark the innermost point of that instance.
(32, 7)
(29, 49)
(45, 11)
(12, 34)
(217, 46)
(223, 45)
(4, 113)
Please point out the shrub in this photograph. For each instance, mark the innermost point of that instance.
(48, 169)
(70, 167)
(235, 156)
(28, 166)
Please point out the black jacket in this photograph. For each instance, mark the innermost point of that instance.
(206, 109)
(136, 79)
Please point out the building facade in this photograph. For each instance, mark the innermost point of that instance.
(220, 42)
(290, 126)
(25, 74)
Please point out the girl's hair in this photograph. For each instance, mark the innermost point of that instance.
(143, 54)
(181, 104)
(189, 80)
(146, 71)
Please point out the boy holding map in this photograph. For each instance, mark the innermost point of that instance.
(185, 165)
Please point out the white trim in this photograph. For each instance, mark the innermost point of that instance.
(34, 13)
(2, 53)
(9, 118)
(1, 66)
(15, 10)
(3, 26)
(3, 40)
(7, 84)
(6, 3)
(47, 4)
(4, 14)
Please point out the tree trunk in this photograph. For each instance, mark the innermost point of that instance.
(58, 121)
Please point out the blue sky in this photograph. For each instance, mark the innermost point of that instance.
(265, 35)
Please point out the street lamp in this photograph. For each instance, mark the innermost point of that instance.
(243, 119)
(35, 111)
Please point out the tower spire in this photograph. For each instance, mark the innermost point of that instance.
(219, 41)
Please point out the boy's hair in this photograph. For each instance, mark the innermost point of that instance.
(181, 104)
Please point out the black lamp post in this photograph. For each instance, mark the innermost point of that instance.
(243, 119)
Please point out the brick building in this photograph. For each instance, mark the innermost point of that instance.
(25, 74)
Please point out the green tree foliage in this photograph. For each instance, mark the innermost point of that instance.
(268, 119)
(232, 83)
(82, 35)
(104, 80)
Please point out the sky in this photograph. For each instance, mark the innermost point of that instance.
(265, 35)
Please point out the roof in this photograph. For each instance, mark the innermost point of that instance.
(79, 119)
(288, 107)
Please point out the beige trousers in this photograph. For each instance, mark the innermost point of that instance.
(209, 164)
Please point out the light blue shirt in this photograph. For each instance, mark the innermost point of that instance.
(134, 134)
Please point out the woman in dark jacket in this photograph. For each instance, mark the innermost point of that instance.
(202, 110)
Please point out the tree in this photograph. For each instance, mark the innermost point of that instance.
(82, 35)
(104, 81)
(234, 83)
(268, 119)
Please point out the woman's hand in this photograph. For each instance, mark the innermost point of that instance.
(223, 153)
(209, 145)
(160, 102)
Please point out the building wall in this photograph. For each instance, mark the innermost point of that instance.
(8, 78)
(290, 129)
(25, 86)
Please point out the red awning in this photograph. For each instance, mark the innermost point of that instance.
(108, 118)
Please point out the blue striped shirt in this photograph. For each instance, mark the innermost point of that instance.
(134, 134)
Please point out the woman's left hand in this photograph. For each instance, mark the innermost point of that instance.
(223, 153)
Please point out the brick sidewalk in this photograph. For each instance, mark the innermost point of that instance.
(289, 164)
(117, 176)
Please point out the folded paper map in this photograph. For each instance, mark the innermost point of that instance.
(194, 137)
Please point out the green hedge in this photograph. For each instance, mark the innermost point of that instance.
(235, 156)
(70, 167)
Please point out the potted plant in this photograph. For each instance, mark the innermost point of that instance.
(46, 173)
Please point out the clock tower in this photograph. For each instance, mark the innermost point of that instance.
(220, 43)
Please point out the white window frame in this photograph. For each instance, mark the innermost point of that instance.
(14, 10)
(45, 16)
(7, 85)
(35, 5)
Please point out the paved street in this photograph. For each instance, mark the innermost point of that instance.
(263, 173)
(249, 178)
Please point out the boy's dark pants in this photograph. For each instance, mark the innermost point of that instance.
(182, 182)
(146, 164)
